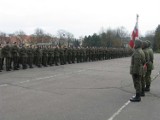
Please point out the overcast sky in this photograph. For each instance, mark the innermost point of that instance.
(80, 17)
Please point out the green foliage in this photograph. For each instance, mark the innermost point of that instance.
(157, 39)
(76, 43)
(110, 38)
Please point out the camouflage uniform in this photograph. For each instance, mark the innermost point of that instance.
(56, 55)
(144, 46)
(23, 57)
(61, 56)
(44, 57)
(30, 54)
(6, 52)
(78, 55)
(149, 67)
(136, 69)
(73, 55)
(38, 57)
(69, 56)
(0, 58)
(50, 56)
(15, 56)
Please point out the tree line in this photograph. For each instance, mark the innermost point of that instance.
(117, 38)
(63, 38)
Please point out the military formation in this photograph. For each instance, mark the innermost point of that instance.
(141, 68)
(15, 57)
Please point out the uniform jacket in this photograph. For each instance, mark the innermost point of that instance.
(150, 64)
(137, 62)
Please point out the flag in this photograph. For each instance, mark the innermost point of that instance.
(135, 34)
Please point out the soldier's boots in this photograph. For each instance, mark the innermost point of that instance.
(24, 67)
(15, 68)
(147, 88)
(142, 94)
(136, 98)
(8, 69)
(30, 66)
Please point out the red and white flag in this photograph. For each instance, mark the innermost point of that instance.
(135, 34)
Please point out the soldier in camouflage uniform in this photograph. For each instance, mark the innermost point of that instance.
(38, 56)
(61, 56)
(69, 55)
(144, 48)
(73, 55)
(149, 67)
(6, 53)
(23, 57)
(84, 54)
(15, 56)
(105, 53)
(50, 56)
(136, 69)
(78, 55)
(44, 56)
(1, 58)
(56, 55)
(30, 54)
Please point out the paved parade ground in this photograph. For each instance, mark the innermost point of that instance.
(83, 91)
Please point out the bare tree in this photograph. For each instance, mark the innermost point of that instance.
(39, 35)
(20, 37)
(65, 38)
(122, 34)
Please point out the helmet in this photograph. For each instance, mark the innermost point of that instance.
(149, 43)
(145, 44)
(138, 43)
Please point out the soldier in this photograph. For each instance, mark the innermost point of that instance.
(38, 56)
(0, 58)
(73, 54)
(56, 55)
(30, 54)
(44, 56)
(106, 53)
(50, 56)
(136, 69)
(61, 56)
(6, 52)
(144, 47)
(23, 56)
(15, 56)
(69, 55)
(149, 67)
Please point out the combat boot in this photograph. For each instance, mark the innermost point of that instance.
(142, 93)
(136, 98)
(147, 89)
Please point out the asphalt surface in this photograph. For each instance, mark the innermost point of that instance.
(83, 91)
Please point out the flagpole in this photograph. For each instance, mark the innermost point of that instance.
(137, 17)
(137, 24)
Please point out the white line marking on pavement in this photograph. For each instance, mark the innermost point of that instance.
(50, 76)
(24, 81)
(117, 113)
(3, 85)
